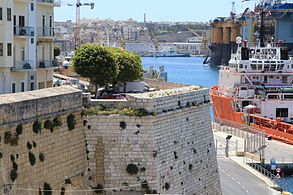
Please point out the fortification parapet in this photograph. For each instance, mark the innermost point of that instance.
(168, 150)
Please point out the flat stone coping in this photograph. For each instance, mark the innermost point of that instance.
(37, 94)
(167, 92)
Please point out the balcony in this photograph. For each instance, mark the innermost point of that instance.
(56, 3)
(25, 65)
(23, 31)
(47, 32)
(47, 64)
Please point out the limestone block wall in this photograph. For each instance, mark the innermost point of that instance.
(174, 150)
(165, 100)
(22, 106)
(62, 151)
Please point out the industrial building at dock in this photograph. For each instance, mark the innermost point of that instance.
(277, 22)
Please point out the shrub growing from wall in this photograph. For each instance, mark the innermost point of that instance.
(37, 126)
(32, 158)
(71, 121)
(57, 122)
(132, 169)
(19, 129)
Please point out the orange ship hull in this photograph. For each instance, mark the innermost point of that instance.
(223, 109)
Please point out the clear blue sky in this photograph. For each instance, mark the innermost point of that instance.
(156, 10)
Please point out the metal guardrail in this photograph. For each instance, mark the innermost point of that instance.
(45, 31)
(22, 65)
(23, 31)
(50, 1)
(264, 172)
(47, 64)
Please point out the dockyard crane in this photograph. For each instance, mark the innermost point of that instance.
(204, 38)
(77, 32)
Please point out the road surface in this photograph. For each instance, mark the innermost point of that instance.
(237, 180)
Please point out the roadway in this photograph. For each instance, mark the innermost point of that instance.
(237, 180)
(234, 178)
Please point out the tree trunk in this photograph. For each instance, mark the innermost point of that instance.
(97, 90)
(125, 87)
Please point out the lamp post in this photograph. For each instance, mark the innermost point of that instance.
(227, 145)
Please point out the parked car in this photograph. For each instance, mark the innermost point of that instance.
(114, 96)
(135, 87)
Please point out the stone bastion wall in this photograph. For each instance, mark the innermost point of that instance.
(171, 152)
(32, 156)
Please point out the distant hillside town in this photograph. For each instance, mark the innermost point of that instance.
(145, 38)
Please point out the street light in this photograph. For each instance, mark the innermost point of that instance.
(227, 145)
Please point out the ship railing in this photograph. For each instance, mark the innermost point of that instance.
(257, 44)
(263, 56)
(280, 96)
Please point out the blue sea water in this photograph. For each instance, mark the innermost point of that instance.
(191, 70)
(187, 70)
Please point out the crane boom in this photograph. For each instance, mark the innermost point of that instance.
(78, 41)
(77, 30)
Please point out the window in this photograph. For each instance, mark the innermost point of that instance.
(21, 21)
(9, 49)
(1, 49)
(50, 25)
(32, 86)
(22, 54)
(22, 86)
(13, 88)
(32, 7)
(8, 14)
(32, 40)
(284, 79)
(1, 13)
(281, 112)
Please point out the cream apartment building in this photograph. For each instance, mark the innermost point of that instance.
(26, 45)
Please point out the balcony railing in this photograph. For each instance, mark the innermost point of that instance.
(23, 31)
(47, 64)
(55, 2)
(22, 65)
(45, 31)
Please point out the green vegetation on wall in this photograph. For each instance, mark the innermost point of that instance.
(98, 189)
(122, 124)
(57, 122)
(48, 124)
(47, 189)
(42, 157)
(132, 169)
(19, 129)
(71, 121)
(32, 158)
(37, 126)
(13, 174)
(102, 110)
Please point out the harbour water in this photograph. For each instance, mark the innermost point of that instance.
(187, 70)
(190, 70)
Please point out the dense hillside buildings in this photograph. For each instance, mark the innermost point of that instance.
(139, 37)
(26, 45)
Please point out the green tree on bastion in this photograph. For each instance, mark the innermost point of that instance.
(96, 63)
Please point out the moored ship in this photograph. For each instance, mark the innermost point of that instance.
(256, 88)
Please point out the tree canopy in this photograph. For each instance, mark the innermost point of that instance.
(129, 64)
(96, 63)
(57, 51)
(107, 65)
